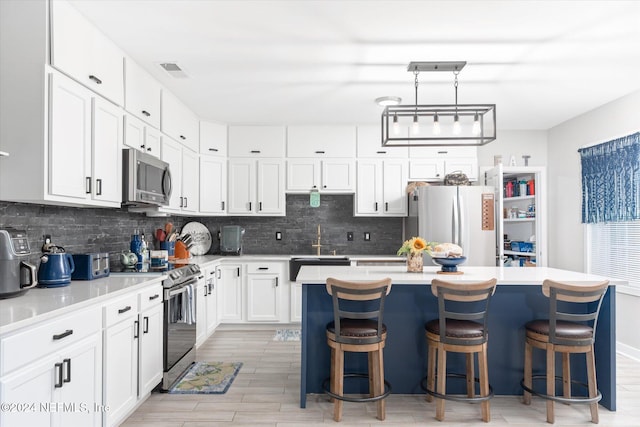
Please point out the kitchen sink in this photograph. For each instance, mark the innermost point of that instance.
(296, 262)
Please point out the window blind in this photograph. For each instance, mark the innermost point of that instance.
(614, 250)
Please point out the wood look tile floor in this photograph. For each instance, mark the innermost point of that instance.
(266, 390)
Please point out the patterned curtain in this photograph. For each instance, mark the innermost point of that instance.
(611, 180)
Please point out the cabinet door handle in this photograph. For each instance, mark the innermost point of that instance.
(238, 271)
(146, 113)
(124, 310)
(148, 148)
(223, 205)
(386, 206)
(249, 206)
(58, 368)
(145, 327)
(276, 282)
(67, 378)
(324, 186)
(213, 149)
(99, 187)
(62, 335)
(219, 273)
(95, 79)
(255, 151)
(151, 298)
(88, 185)
(136, 329)
(260, 206)
(381, 152)
(263, 268)
(442, 152)
(182, 137)
(206, 291)
(376, 206)
(319, 152)
(181, 202)
(186, 202)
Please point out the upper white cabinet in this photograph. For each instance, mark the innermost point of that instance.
(141, 136)
(334, 175)
(213, 139)
(84, 53)
(433, 163)
(179, 122)
(85, 136)
(142, 94)
(369, 144)
(256, 187)
(321, 141)
(213, 185)
(257, 141)
(381, 188)
(185, 176)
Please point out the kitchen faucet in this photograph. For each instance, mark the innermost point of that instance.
(317, 245)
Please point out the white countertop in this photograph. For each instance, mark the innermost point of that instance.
(398, 274)
(46, 303)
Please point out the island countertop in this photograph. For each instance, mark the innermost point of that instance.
(398, 274)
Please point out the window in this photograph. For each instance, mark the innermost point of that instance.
(613, 250)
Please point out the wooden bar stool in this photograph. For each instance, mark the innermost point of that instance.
(460, 331)
(573, 316)
(357, 327)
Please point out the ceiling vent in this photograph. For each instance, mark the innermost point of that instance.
(174, 70)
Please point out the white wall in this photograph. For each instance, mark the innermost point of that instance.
(566, 232)
(516, 143)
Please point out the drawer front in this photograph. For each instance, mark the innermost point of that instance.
(120, 309)
(150, 297)
(37, 341)
(264, 268)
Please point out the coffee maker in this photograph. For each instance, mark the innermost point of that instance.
(17, 275)
(231, 240)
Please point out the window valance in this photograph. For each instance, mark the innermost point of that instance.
(611, 180)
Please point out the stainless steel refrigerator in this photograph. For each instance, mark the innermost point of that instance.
(464, 215)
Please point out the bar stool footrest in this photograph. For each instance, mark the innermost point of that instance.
(561, 399)
(327, 390)
(455, 397)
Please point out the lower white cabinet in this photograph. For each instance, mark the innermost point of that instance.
(206, 305)
(151, 325)
(230, 292)
(263, 292)
(296, 302)
(61, 389)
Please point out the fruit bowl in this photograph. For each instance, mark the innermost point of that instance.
(449, 265)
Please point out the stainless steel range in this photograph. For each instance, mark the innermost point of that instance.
(179, 322)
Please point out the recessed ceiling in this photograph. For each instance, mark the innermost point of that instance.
(325, 62)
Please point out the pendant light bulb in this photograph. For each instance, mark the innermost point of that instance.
(456, 125)
(415, 126)
(396, 125)
(476, 125)
(436, 125)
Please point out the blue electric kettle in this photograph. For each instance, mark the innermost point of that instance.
(55, 269)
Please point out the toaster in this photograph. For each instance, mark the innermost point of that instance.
(90, 266)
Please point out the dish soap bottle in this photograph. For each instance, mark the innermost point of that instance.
(136, 245)
(144, 249)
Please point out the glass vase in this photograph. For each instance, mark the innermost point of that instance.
(414, 262)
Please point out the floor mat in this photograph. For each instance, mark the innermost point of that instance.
(287, 335)
(207, 378)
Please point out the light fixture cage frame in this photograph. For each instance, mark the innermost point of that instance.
(486, 115)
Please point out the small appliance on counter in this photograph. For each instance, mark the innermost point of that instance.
(55, 268)
(231, 240)
(90, 266)
(17, 275)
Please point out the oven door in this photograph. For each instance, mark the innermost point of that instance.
(179, 322)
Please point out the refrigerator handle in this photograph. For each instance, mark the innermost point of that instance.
(461, 221)
(454, 222)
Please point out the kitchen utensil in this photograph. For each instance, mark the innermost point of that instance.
(168, 228)
(128, 259)
(181, 250)
(55, 269)
(200, 238)
(161, 235)
(90, 266)
(16, 274)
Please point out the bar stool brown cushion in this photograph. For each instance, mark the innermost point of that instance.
(564, 329)
(357, 328)
(456, 328)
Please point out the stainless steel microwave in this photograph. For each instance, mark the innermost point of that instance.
(146, 180)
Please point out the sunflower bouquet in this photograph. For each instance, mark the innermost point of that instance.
(416, 245)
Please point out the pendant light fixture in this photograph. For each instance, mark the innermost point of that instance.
(453, 124)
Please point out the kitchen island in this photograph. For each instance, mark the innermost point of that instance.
(518, 299)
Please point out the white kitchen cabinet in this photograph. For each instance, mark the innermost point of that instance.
(257, 141)
(230, 293)
(213, 139)
(334, 175)
(369, 144)
(85, 136)
(185, 176)
(81, 51)
(142, 94)
(263, 292)
(120, 364)
(141, 136)
(151, 329)
(206, 305)
(296, 302)
(511, 214)
(201, 312)
(433, 163)
(381, 188)
(256, 187)
(321, 141)
(179, 122)
(213, 185)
